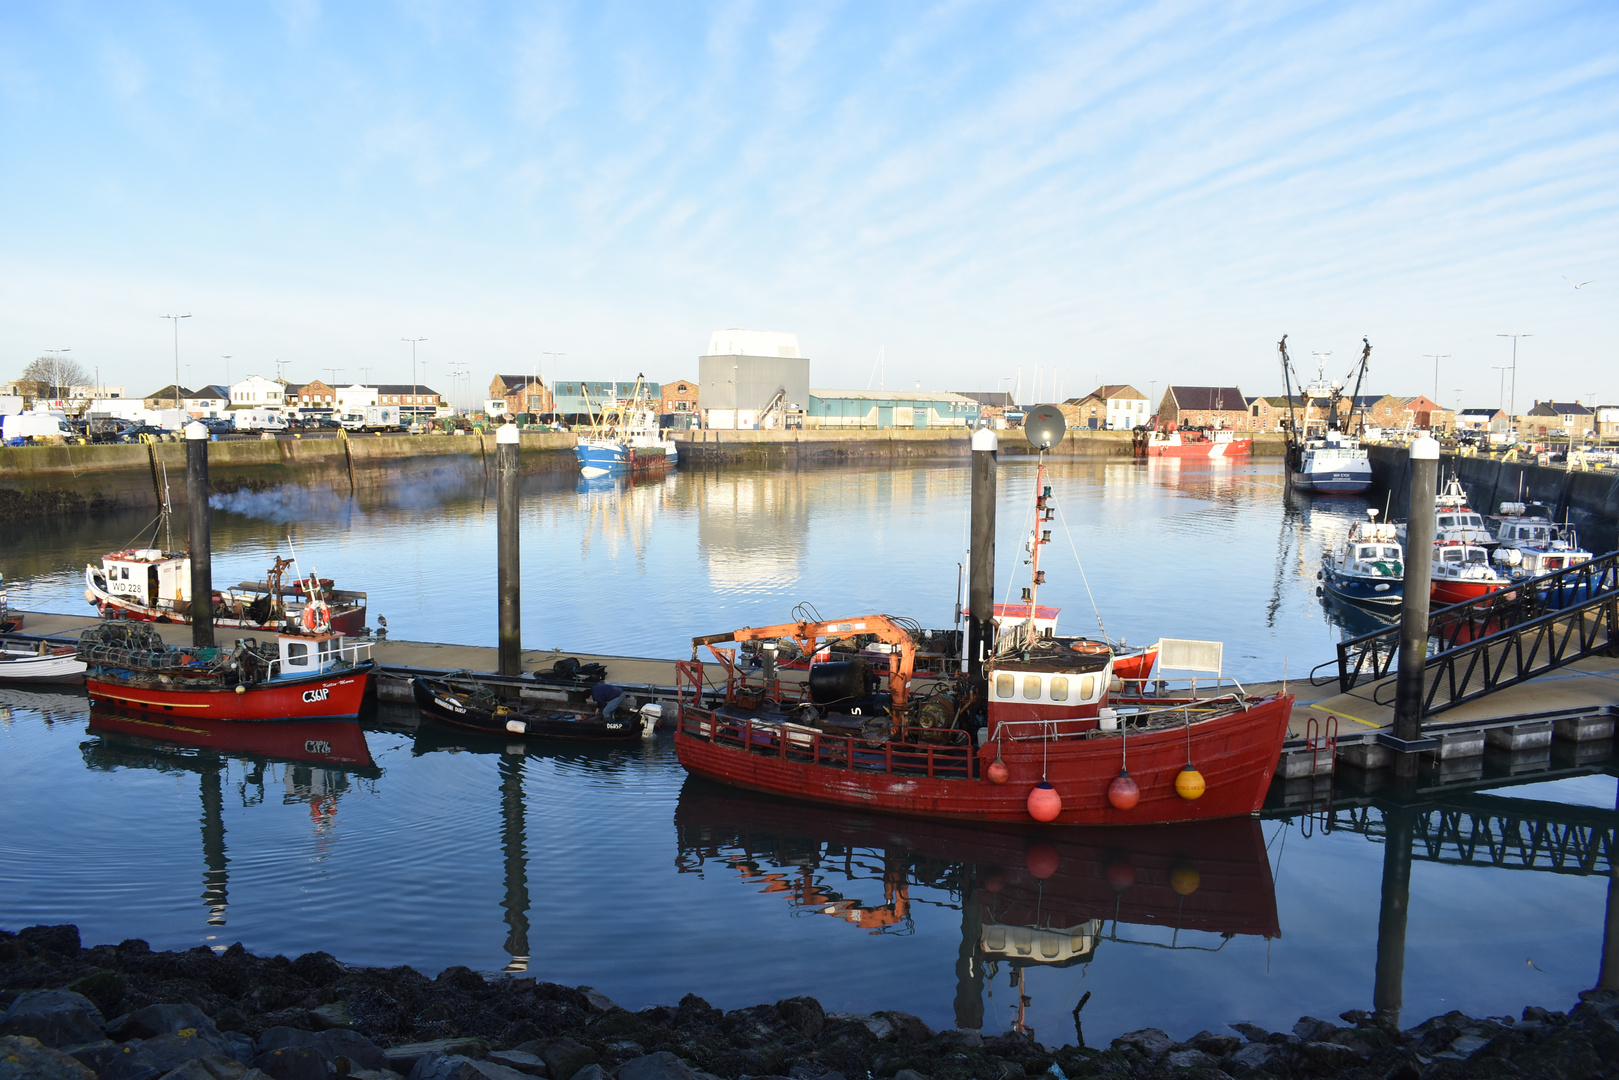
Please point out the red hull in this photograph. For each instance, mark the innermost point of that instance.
(1208, 451)
(1237, 755)
(350, 622)
(337, 696)
(1460, 592)
(330, 742)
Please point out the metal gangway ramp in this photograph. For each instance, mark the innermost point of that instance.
(1499, 640)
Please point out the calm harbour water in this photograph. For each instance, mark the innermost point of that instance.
(609, 867)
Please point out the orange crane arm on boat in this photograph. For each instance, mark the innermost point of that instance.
(806, 634)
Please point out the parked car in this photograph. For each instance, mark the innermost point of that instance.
(217, 425)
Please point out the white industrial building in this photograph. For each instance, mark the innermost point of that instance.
(752, 379)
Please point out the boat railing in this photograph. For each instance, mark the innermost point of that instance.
(801, 744)
(1164, 690)
(350, 652)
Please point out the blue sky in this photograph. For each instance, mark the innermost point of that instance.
(1141, 192)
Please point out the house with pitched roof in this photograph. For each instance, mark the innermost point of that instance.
(1557, 418)
(522, 393)
(1110, 407)
(1203, 407)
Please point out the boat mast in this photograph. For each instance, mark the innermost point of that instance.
(1360, 375)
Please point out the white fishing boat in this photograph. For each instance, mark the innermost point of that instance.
(1454, 521)
(1531, 544)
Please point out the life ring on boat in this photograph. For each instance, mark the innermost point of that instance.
(1090, 648)
(315, 617)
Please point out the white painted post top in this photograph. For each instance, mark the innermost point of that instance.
(194, 430)
(506, 433)
(1425, 449)
(985, 439)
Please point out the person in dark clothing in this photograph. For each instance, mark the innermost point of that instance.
(607, 698)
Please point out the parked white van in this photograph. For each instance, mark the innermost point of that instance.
(34, 425)
(257, 420)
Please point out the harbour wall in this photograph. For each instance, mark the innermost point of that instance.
(40, 481)
(1590, 500)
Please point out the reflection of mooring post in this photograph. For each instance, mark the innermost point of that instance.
(981, 575)
(201, 542)
(1608, 974)
(511, 637)
(1388, 988)
(514, 843)
(1406, 737)
(215, 879)
(969, 969)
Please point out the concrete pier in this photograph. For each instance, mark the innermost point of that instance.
(507, 466)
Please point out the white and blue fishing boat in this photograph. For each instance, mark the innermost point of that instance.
(1322, 457)
(1368, 569)
(625, 438)
(1532, 545)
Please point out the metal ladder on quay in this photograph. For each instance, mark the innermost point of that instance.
(1499, 640)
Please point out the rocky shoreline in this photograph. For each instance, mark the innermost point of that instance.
(124, 1012)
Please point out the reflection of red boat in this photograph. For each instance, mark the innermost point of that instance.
(1211, 876)
(328, 742)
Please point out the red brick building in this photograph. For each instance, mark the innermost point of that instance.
(522, 393)
(679, 397)
(1203, 406)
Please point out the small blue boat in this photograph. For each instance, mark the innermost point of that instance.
(1368, 569)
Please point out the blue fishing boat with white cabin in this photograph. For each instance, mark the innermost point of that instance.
(1368, 569)
(626, 438)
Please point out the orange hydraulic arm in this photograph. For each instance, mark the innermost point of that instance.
(806, 634)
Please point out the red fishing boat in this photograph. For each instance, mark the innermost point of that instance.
(1222, 443)
(153, 585)
(306, 673)
(1043, 728)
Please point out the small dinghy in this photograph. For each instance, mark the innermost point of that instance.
(38, 662)
(465, 702)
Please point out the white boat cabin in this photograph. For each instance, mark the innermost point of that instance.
(147, 576)
(312, 654)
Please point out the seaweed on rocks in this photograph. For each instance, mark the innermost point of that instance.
(125, 1012)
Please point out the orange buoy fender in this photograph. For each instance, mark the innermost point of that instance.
(1122, 793)
(1121, 873)
(998, 773)
(1189, 783)
(1044, 802)
(1042, 860)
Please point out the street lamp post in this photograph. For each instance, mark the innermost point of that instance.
(1436, 357)
(1512, 402)
(1501, 390)
(56, 367)
(413, 384)
(176, 320)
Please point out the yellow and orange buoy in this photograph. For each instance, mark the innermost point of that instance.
(1189, 783)
(1122, 793)
(1044, 802)
(998, 773)
(1183, 877)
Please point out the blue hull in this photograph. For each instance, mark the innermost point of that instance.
(601, 459)
(1362, 592)
(1334, 483)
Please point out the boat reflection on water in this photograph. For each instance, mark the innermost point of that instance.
(314, 761)
(1027, 898)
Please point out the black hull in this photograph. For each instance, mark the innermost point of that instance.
(438, 701)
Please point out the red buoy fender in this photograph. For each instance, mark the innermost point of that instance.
(1044, 802)
(1122, 793)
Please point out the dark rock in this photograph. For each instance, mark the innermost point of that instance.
(1148, 1041)
(318, 968)
(660, 1066)
(909, 1028)
(1312, 1030)
(462, 978)
(591, 1072)
(61, 940)
(659, 1015)
(1255, 1057)
(596, 1000)
(959, 1037)
(695, 1012)
(1364, 1041)
(1189, 1059)
(1217, 1046)
(212, 1067)
(1252, 1032)
(1326, 1057)
(456, 1067)
(94, 1054)
(24, 1057)
(402, 1058)
(54, 1017)
(751, 1026)
(333, 1015)
(564, 1057)
(155, 1020)
(804, 1014)
(163, 1054)
(520, 1060)
(104, 987)
(1355, 1016)
(616, 1023)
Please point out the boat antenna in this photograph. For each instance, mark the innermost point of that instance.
(1360, 375)
(1287, 385)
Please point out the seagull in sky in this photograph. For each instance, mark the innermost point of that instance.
(1577, 285)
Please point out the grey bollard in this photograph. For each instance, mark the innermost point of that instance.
(200, 540)
(981, 537)
(510, 577)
